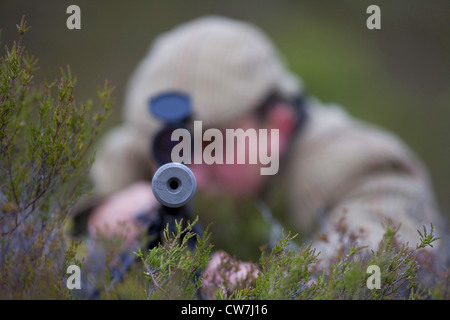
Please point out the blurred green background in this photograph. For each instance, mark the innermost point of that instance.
(397, 77)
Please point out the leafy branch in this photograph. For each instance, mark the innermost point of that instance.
(45, 140)
(426, 239)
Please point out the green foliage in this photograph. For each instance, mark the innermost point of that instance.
(173, 269)
(44, 141)
(346, 277)
(425, 238)
(285, 274)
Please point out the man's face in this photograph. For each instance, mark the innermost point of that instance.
(237, 179)
(246, 179)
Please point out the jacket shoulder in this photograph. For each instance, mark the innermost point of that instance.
(334, 153)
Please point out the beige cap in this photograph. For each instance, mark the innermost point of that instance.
(226, 66)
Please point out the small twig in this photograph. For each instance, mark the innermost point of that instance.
(150, 272)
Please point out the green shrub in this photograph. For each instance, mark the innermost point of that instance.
(174, 270)
(287, 274)
(44, 141)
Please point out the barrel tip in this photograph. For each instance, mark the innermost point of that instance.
(174, 184)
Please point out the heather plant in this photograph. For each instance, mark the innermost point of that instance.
(398, 262)
(292, 274)
(45, 138)
(173, 270)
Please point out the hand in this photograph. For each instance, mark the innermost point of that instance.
(224, 272)
(117, 215)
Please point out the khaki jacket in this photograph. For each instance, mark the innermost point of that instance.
(345, 171)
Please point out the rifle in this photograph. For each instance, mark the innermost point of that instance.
(173, 184)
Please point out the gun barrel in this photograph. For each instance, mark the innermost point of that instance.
(174, 185)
